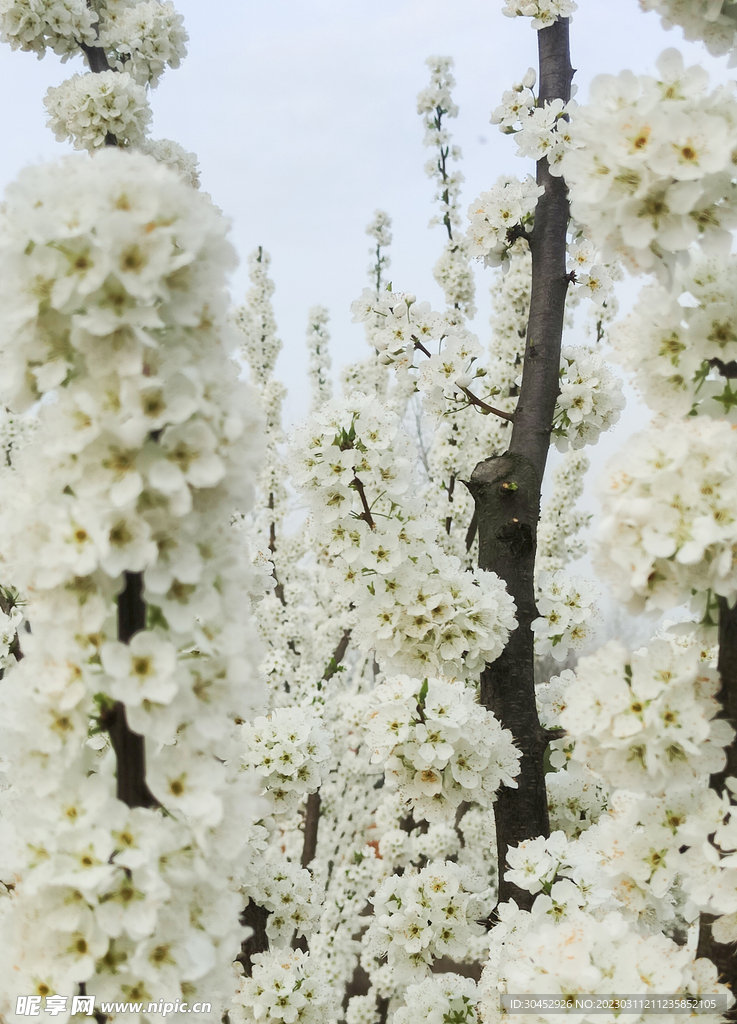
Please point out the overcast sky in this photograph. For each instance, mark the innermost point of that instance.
(302, 113)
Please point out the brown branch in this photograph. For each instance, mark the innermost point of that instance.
(444, 965)
(509, 416)
(366, 514)
(96, 58)
(382, 1008)
(451, 489)
(337, 657)
(312, 819)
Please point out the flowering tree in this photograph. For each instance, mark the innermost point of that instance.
(287, 728)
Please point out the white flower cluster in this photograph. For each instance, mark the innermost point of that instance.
(142, 38)
(419, 917)
(261, 346)
(442, 999)
(542, 12)
(318, 346)
(576, 797)
(633, 854)
(405, 327)
(714, 21)
(289, 750)
(557, 541)
(379, 229)
(362, 1010)
(646, 721)
(709, 866)
(414, 605)
(541, 131)
(90, 107)
(581, 952)
(113, 305)
(650, 165)
(34, 25)
(434, 103)
(567, 607)
(590, 398)
(508, 204)
(284, 986)
(590, 278)
(174, 156)
(667, 525)
(293, 899)
(438, 745)
(678, 350)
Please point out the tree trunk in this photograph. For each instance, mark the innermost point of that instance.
(724, 956)
(506, 490)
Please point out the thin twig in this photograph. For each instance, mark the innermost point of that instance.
(487, 408)
(366, 514)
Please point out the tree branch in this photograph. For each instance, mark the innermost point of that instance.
(96, 58)
(129, 746)
(312, 819)
(506, 490)
(509, 416)
(255, 917)
(337, 657)
(366, 514)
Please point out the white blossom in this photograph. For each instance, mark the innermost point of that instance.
(90, 107)
(649, 165)
(667, 528)
(646, 721)
(438, 745)
(542, 12)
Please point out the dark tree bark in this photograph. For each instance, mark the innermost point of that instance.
(724, 955)
(506, 490)
(255, 916)
(312, 820)
(129, 747)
